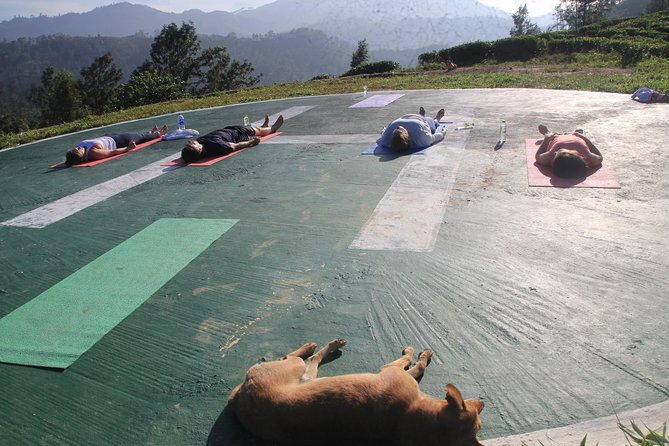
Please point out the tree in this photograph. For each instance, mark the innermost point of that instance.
(522, 24)
(574, 14)
(657, 5)
(223, 72)
(360, 55)
(58, 97)
(176, 51)
(98, 83)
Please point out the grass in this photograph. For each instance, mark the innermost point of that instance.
(635, 436)
(562, 72)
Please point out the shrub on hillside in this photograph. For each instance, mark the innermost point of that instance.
(467, 54)
(382, 66)
(521, 48)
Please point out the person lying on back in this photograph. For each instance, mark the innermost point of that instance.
(411, 132)
(110, 145)
(568, 155)
(229, 139)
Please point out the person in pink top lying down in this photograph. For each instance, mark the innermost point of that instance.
(569, 155)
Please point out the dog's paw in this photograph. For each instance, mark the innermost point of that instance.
(337, 343)
(427, 354)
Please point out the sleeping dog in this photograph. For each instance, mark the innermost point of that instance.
(283, 401)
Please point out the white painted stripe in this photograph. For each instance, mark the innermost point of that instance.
(64, 207)
(410, 214)
(323, 139)
(70, 205)
(287, 114)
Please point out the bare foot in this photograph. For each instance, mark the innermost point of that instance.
(440, 114)
(154, 129)
(163, 130)
(278, 123)
(132, 145)
(266, 122)
(543, 129)
(421, 111)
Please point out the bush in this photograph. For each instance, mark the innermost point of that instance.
(321, 77)
(467, 54)
(429, 58)
(522, 48)
(149, 87)
(382, 66)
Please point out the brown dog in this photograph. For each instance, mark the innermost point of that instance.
(284, 401)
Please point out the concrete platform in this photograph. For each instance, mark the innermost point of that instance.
(550, 304)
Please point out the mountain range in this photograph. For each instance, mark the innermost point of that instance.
(387, 25)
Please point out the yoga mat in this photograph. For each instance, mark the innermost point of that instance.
(62, 323)
(213, 160)
(376, 149)
(378, 100)
(104, 160)
(542, 176)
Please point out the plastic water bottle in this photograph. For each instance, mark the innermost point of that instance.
(181, 122)
(502, 131)
(247, 122)
(364, 90)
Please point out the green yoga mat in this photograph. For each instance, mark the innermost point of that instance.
(62, 323)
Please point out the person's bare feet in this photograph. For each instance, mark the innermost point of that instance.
(440, 114)
(163, 130)
(266, 122)
(421, 111)
(278, 123)
(154, 129)
(543, 129)
(132, 145)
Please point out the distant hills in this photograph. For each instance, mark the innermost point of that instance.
(396, 25)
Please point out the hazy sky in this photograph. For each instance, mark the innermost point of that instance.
(26, 8)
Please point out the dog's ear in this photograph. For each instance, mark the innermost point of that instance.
(454, 397)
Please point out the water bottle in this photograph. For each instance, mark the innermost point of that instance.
(364, 90)
(181, 122)
(502, 131)
(247, 122)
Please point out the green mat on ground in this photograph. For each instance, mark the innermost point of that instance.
(59, 325)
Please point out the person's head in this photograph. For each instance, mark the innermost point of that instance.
(569, 164)
(75, 156)
(400, 139)
(192, 151)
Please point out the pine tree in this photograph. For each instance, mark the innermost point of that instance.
(522, 24)
(360, 55)
(99, 82)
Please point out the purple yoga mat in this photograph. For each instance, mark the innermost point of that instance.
(378, 100)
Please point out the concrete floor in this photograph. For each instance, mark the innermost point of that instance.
(547, 303)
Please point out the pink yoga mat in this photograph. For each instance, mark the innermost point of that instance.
(213, 160)
(541, 176)
(378, 100)
(104, 160)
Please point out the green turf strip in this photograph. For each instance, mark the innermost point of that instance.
(62, 323)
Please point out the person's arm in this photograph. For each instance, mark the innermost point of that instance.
(594, 156)
(437, 137)
(98, 153)
(543, 155)
(244, 144)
